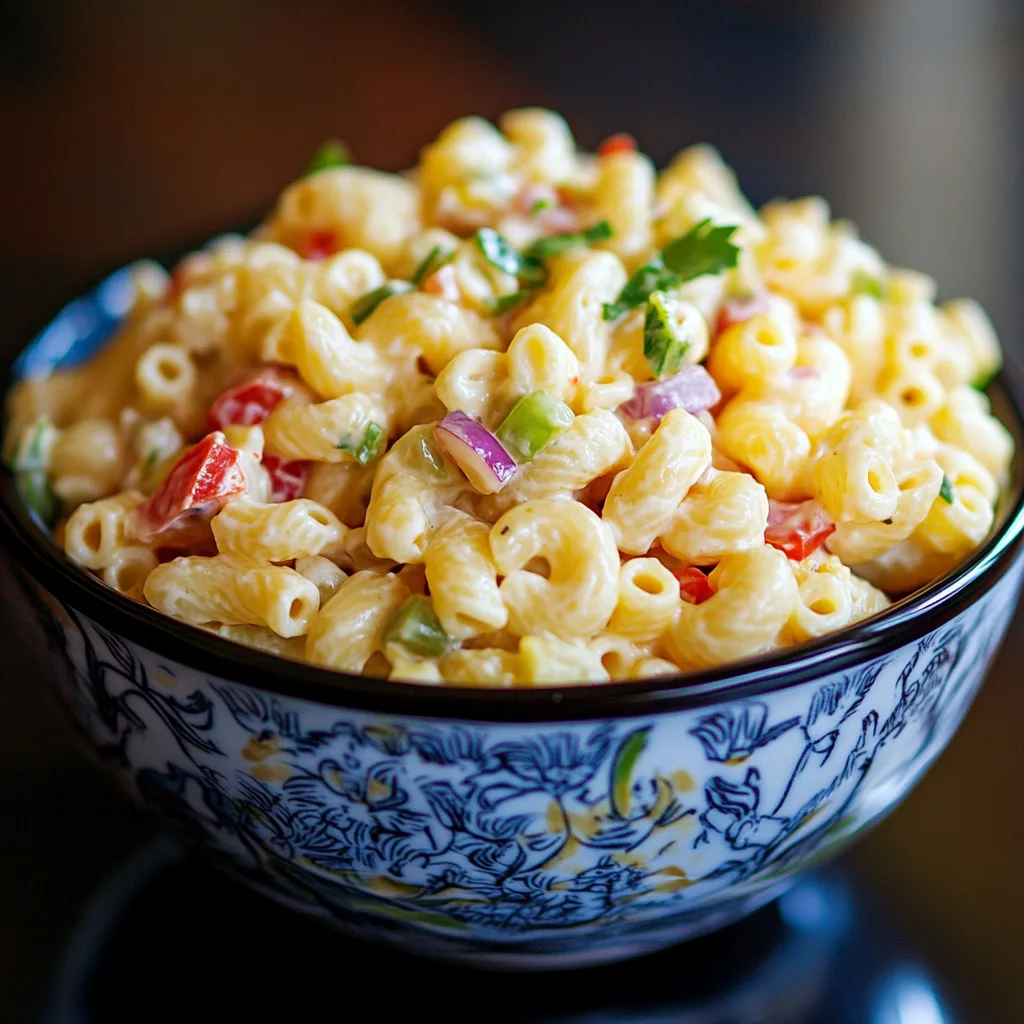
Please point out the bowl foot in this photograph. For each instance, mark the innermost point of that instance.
(822, 952)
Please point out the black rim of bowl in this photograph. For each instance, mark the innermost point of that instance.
(38, 558)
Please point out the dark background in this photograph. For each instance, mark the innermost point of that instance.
(131, 127)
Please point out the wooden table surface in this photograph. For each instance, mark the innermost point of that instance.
(137, 127)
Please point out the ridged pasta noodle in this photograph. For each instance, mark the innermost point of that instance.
(317, 343)
(755, 597)
(96, 531)
(648, 600)
(277, 532)
(595, 444)
(463, 579)
(323, 431)
(350, 627)
(726, 512)
(235, 592)
(573, 308)
(577, 595)
(644, 497)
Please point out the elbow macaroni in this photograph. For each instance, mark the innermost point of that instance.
(267, 414)
(577, 594)
(644, 497)
(755, 597)
(235, 592)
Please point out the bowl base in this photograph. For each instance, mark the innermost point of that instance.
(557, 953)
(822, 952)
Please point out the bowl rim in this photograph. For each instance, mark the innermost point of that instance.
(38, 560)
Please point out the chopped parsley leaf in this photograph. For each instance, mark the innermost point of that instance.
(364, 306)
(500, 253)
(545, 248)
(946, 490)
(707, 248)
(434, 260)
(704, 249)
(503, 303)
(651, 277)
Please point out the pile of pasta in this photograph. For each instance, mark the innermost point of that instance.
(523, 415)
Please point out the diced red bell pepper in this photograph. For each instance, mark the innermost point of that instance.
(621, 142)
(442, 282)
(797, 529)
(318, 245)
(250, 402)
(287, 476)
(693, 584)
(203, 479)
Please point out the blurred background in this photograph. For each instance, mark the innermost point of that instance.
(132, 127)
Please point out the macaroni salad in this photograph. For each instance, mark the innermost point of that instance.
(523, 415)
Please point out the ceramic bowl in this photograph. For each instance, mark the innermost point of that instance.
(536, 828)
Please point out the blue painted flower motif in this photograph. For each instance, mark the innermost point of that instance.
(556, 763)
(735, 732)
(509, 833)
(732, 812)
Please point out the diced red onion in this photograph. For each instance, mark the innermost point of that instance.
(692, 389)
(476, 451)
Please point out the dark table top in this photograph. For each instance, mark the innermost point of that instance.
(130, 128)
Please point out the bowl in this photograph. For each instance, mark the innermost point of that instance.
(527, 829)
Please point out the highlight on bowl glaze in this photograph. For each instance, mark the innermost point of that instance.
(527, 829)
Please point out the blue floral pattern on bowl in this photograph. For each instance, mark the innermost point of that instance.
(522, 844)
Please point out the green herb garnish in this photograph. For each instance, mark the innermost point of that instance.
(333, 153)
(503, 303)
(545, 248)
(364, 306)
(499, 252)
(417, 628)
(863, 283)
(539, 205)
(151, 459)
(434, 260)
(651, 277)
(664, 345)
(532, 424)
(365, 450)
(946, 490)
(704, 249)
